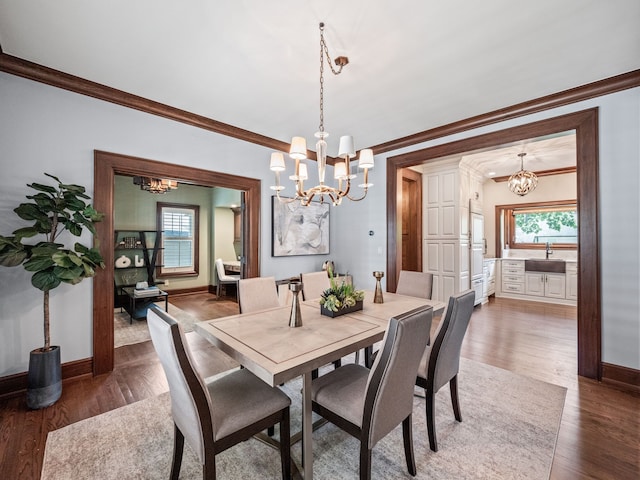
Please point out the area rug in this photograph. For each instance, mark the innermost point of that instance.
(509, 430)
(126, 333)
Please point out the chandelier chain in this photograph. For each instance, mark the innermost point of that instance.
(324, 52)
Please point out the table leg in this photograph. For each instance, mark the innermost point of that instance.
(307, 427)
(166, 303)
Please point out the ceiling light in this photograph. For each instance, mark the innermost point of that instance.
(155, 185)
(346, 151)
(522, 182)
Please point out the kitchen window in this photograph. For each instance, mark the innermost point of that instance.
(179, 226)
(533, 225)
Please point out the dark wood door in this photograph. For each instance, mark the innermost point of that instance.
(411, 220)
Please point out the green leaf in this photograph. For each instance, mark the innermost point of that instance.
(42, 188)
(45, 280)
(69, 275)
(38, 262)
(46, 248)
(26, 232)
(12, 258)
(30, 211)
(73, 228)
(52, 176)
(74, 204)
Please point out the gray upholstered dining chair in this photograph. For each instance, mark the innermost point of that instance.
(441, 360)
(257, 294)
(415, 284)
(314, 283)
(214, 416)
(368, 404)
(224, 279)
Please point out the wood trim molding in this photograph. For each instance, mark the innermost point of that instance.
(628, 378)
(566, 97)
(586, 125)
(106, 166)
(542, 173)
(14, 384)
(56, 78)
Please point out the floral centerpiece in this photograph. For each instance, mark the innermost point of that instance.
(340, 298)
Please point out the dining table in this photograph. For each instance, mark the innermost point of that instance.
(265, 344)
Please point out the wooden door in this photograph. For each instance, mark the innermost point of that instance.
(411, 220)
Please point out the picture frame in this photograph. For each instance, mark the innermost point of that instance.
(297, 229)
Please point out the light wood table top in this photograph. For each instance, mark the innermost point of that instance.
(264, 343)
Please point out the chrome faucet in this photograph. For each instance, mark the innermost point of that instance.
(548, 251)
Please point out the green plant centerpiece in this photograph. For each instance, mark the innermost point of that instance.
(340, 298)
(53, 210)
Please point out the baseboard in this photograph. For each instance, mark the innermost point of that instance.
(17, 383)
(188, 291)
(623, 377)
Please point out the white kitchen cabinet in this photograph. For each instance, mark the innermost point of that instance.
(550, 285)
(513, 277)
(572, 281)
(449, 255)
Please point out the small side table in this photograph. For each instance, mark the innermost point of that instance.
(139, 299)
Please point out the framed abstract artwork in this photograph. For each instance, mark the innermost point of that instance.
(299, 230)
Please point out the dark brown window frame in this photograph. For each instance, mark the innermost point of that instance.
(509, 233)
(196, 240)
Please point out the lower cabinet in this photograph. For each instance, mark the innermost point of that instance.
(572, 281)
(552, 285)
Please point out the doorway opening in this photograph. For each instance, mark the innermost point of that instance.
(585, 125)
(106, 166)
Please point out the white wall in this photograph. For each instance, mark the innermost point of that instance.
(46, 129)
(619, 174)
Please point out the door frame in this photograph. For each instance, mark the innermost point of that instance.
(106, 166)
(585, 124)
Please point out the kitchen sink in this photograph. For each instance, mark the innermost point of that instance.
(542, 265)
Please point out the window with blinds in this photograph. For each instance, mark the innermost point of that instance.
(179, 226)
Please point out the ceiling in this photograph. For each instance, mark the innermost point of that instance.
(413, 65)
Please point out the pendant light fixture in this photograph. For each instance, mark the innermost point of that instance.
(522, 182)
(346, 151)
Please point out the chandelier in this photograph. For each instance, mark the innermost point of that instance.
(155, 185)
(522, 182)
(346, 151)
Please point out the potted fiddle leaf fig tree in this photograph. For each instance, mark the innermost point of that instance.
(54, 211)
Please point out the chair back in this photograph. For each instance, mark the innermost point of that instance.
(444, 358)
(257, 294)
(415, 284)
(220, 271)
(389, 395)
(190, 401)
(314, 283)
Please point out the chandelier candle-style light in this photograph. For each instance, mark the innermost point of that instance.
(346, 151)
(522, 182)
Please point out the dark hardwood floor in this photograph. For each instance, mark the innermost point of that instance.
(599, 435)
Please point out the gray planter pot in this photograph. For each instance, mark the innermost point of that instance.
(44, 381)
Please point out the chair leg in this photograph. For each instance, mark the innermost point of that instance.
(314, 374)
(178, 448)
(453, 386)
(271, 431)
(337, 363)
(407, 436)
(368, 353)
(218, 291)
(285, 445)
(365, 460)
(430, 400)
